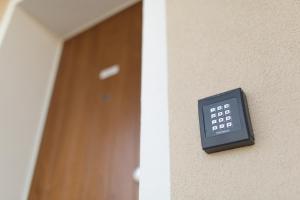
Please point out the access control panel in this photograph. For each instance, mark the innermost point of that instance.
(225, 121)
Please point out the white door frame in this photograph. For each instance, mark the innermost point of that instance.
(155, 153)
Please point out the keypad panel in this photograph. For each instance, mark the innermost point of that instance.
(221, 118)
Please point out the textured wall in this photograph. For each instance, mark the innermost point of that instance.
(217, 45)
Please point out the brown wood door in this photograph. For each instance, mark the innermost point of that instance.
(3, 5)
(90, 146)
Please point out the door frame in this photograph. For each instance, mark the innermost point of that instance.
(154, 152)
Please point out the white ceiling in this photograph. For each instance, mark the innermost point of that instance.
(67, 18)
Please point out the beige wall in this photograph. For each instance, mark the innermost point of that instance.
(217, 45)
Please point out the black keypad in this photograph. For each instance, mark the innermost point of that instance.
(225, 121)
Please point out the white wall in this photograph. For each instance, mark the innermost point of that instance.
(28, 58)
(155, 175)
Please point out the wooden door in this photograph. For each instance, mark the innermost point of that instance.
(90, 145)
(3, 6)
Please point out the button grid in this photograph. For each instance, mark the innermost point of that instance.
(221, 117)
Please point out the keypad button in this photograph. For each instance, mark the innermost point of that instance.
(215, 128)
(220, 114)
(226, 105)
(221, 119)
(214, 121)
(222, 126)
(229, 124)
(220, 108)
(227, 112)
(213, 110)
(213, 115)
(228, 118)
